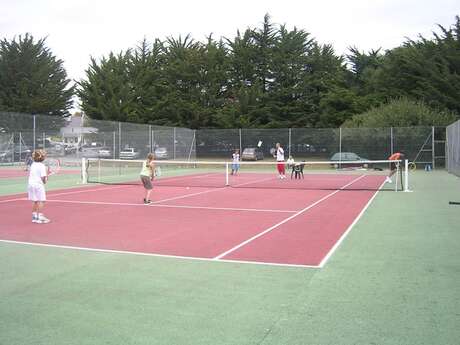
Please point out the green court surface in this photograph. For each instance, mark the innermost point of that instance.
(395, 279)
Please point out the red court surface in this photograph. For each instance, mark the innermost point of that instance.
(286, 226)
(18, 172)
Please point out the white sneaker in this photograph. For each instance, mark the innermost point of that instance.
(42, 219)
(388, 180)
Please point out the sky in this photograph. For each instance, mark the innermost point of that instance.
(77, 30)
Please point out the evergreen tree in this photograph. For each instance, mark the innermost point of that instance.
(108, 94)
(32, 79)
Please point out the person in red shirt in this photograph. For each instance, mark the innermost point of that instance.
(397, 156)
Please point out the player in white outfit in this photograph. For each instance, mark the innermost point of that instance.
(38, 176)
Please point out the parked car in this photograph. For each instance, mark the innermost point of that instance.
(20, 154)
(252, 154)
(161, 153)
(105, 152)
(129, 153)
(70, 149)
(348, 157)
(89, 151)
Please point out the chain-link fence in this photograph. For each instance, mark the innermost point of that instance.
(420, 144)
(453, 148)
(76, 137)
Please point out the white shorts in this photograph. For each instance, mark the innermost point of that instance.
(36, 192)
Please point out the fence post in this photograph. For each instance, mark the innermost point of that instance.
(289, 149)
(119, 137)
(340, 147)
(114, 143)
(392, 142)
(241, 149)
(34, 126)
(174, 142)
(432, 148)
(20, 146)
(150, 139)
(191, 146)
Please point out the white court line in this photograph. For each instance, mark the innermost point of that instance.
(358, 217)
(207, 191)
(214, 189)
(218, 257)
(50, 193)
(112, 251)
(169, 206)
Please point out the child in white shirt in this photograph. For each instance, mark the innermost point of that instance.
(38, 176)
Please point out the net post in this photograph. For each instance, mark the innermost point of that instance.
(226, 174)
(406, 175)
(397, 175)
(84, 176)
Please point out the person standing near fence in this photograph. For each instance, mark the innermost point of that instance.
(235, 162)
(279, 155)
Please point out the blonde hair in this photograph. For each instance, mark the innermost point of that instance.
(150, 157)
(39, 155)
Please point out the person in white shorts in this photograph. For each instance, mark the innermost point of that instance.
(38, 176)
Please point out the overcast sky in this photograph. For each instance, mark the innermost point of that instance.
(76, 30)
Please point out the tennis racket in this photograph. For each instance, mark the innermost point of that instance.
(157, 172)
(53, 166)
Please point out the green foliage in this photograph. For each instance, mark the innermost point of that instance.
(264, 77)
(402, 113)
(32, 80)
(271, 76)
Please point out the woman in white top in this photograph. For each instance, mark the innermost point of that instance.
(38, 176)
(280, 161)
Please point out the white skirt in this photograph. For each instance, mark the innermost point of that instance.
(36, 192)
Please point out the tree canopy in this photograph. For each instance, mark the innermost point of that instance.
(32, 79)
(268, 76)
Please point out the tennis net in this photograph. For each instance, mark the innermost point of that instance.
(320, 175)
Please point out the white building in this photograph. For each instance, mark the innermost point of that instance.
(74, 131)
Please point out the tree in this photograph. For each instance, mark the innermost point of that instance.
(107, 94)
(402, 112)
(32, 79)
(425, 69)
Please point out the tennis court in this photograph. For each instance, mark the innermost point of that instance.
(327, 259)
(255, 225)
